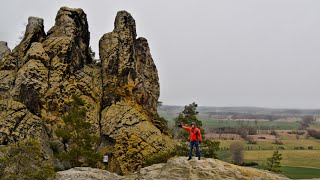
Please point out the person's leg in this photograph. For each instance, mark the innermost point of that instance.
(191, 148)
(198, 149)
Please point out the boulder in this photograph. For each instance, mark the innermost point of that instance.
(177, 168)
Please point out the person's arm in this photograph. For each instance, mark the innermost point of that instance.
(185, 127)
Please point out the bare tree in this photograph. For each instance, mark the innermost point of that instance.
(306, 121)
(236, 150)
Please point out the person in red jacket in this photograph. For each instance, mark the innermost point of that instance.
(195, 138)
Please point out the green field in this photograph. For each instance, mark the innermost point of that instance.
(296, 158)
(297, 172)
(261, 124)
(268, 144)
(300, 172)
(276, 125)
(296, 164)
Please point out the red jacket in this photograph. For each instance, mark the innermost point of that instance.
(195, 134)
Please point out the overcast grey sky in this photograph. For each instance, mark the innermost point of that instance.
(262, 53)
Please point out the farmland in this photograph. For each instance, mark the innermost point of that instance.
(300, 152)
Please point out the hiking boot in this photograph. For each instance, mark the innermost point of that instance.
(198, 158)
(189, 158)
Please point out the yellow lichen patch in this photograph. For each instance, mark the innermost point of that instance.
(129, 154)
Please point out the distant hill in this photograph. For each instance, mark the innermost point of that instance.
(255, 110)
(168, 110)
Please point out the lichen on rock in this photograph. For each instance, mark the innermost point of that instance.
(40, 75)
(130, 96)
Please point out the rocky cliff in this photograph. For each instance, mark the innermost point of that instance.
(178, 168)
(38, 77)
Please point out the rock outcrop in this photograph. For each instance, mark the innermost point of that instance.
(39, 76)
(34, 33)
(17, 123)
(130, 95)
(178, 168)
(4, 49)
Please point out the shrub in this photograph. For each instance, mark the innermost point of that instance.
(179, 150)
(296, 132)
(262, 137)
(251, 140)
(24, 160)
(278, 142)
(79, 139)
(162, 124)
(159, 158)
(249, 164)
(298, 148)
(252, 130)
(236, 150)
(274, 133)
(314, 133)
(209, 148)
(306, 121)
(56, 146)
(243, 133)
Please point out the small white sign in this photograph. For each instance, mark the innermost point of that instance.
(105, 159)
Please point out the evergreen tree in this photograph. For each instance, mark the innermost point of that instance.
(273, 163)
(79, 139)
(186, 117)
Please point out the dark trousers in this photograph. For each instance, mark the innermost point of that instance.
(194, 143)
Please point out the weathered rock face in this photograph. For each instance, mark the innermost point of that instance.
(68, 40)
(130, 95)
(177, 168)
(129, 72)
(34, 33)
(18, 123)
(39, 76)
(4, 49)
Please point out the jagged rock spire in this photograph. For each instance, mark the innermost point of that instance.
(34, 33)
(130, 96)
(128, 68)
(69, 38)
